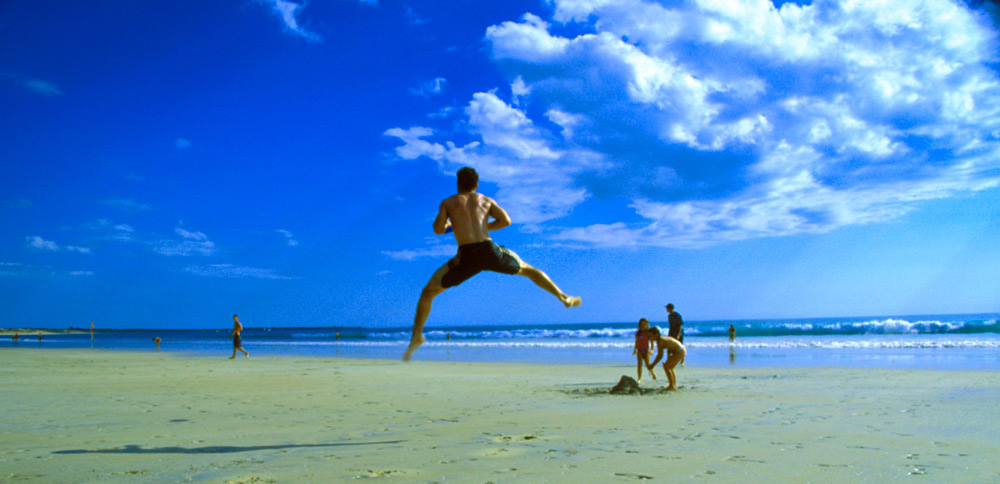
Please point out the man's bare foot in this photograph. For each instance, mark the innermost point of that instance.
(232, 357)
(248, 356)
(414, 344)
(572, 301)
(639, 381)
(652, 374)
(671, 389)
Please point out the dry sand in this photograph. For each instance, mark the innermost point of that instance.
(105, 417)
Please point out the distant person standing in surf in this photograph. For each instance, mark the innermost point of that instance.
(676, 330)
(468, 214)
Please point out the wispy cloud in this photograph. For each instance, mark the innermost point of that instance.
(715, 121)
(182, 143)
(430, 88)
(190, 244)
(44, 88)
(288, 12)
(12, 269)
(123, 233)
(411, 254)
(412, 17)
(37, 242)
(289, 238)
(235, 272)
(81, 273)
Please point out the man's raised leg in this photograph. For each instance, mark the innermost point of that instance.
(427, 295)
(542, 280)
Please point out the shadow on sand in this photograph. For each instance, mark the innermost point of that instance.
(212, 449)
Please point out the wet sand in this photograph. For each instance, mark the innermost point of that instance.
(98, 416)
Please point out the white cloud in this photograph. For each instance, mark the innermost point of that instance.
(37, 242)
(534, 172)
(182, 143)
(191, 244)
(724, 120)
(289, 238)
(432, 251)
(190, 235)
(81, 273)
(235, 272)
(288, 13)
(528, 39)
(430, 88)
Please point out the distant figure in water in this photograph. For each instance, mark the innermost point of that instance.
(732, 333)
(237, 342)
(39, 336)
(14, 338)
(675, 353)
(91, 330)
(467, 214)
(337, 335)
(447, 336)
(157, 341)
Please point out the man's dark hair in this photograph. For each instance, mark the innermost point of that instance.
(468, 179)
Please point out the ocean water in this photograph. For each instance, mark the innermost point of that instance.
(962, 341)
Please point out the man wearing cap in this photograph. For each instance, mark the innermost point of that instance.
(676, 326)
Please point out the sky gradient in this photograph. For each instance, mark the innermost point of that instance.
(167, 165)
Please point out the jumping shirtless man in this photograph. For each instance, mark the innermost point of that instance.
(468, 214)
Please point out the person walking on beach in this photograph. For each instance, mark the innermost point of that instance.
(237, 342)
(157, 341)
(642, 347)
(467, 214)
(675, 354)
(676, 330)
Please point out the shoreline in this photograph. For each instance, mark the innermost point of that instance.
(110, 416)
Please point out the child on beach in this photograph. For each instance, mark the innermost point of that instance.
(675, 353)
(642, 348)
(237, 342)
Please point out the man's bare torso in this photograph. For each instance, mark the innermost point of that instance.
(469, 214)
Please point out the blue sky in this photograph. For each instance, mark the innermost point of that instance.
(166, 165)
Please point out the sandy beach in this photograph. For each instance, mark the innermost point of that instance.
(85, 416)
